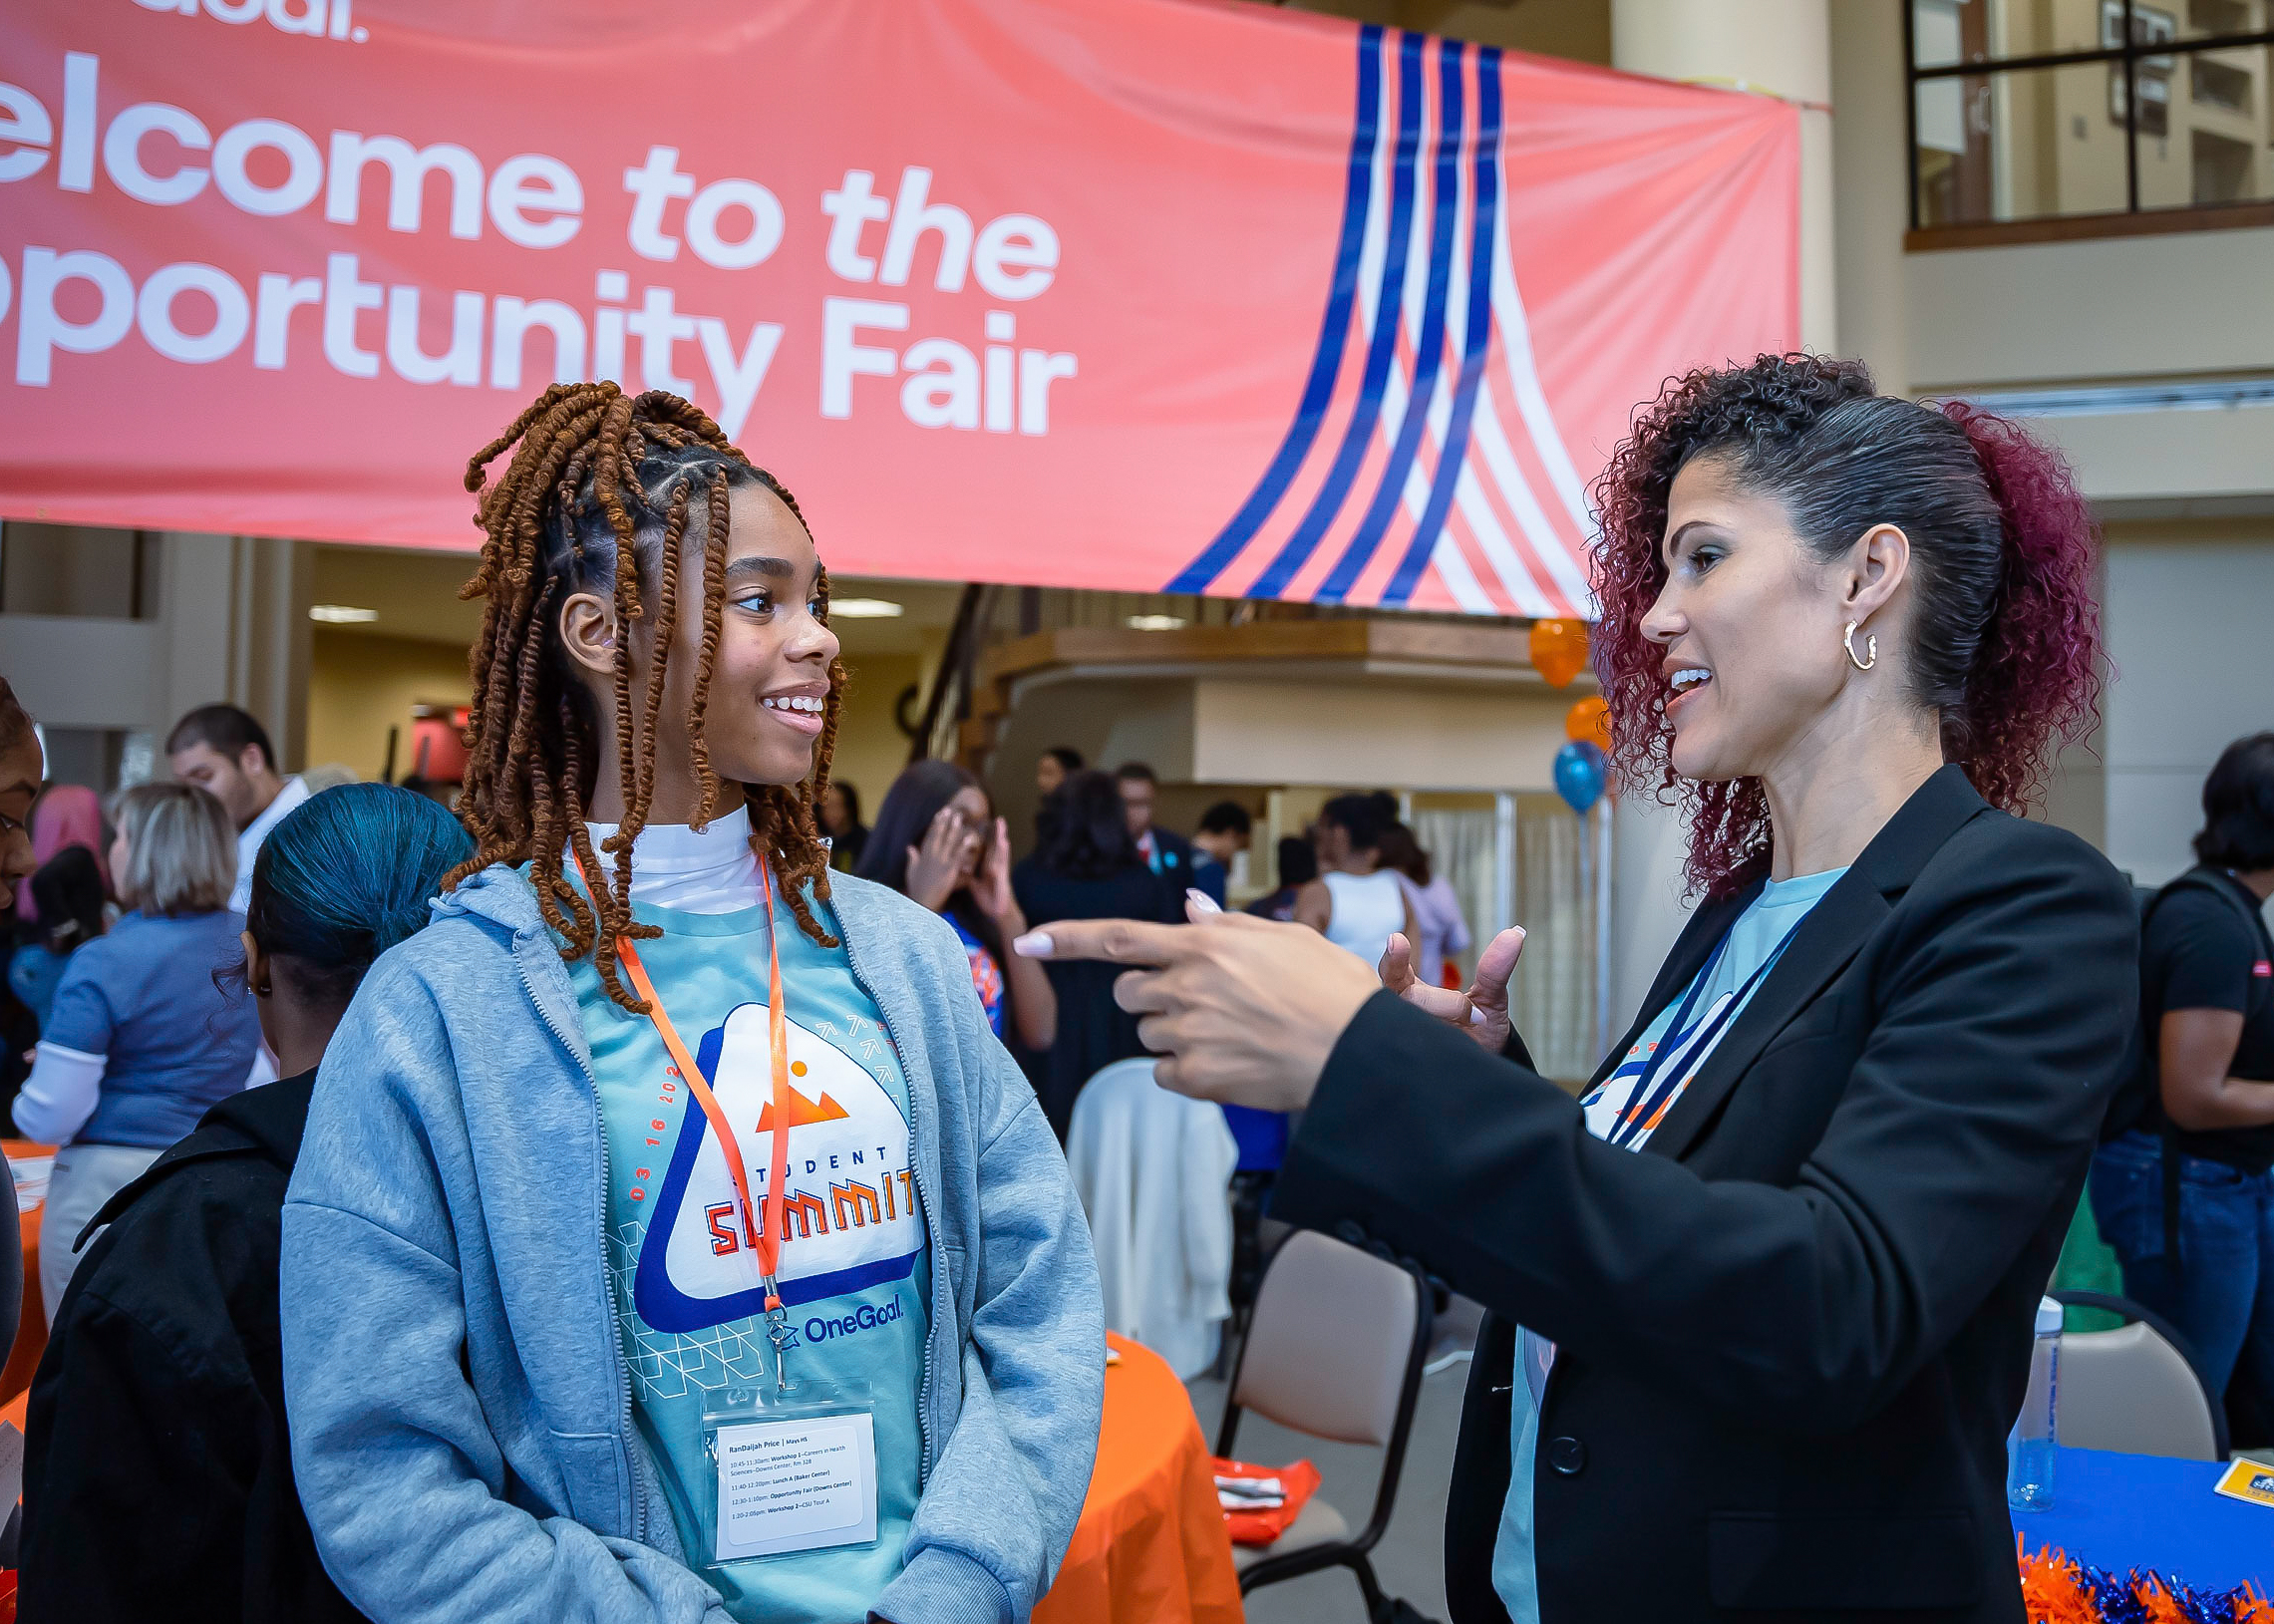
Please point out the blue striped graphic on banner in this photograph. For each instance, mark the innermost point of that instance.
(1429, 354)
(1382, 350)
(1486, 203)
(1334, 328)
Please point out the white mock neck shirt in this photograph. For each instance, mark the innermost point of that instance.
(689, 871)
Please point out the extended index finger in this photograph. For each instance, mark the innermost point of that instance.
(1117, 941)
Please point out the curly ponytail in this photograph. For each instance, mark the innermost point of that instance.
(2005, 637)
(2035, 677)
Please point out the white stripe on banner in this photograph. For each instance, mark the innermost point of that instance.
(1491, 445)
(1548, 440)
(1486, 436)
(1451, 563)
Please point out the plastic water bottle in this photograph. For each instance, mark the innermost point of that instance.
(2030, 1446)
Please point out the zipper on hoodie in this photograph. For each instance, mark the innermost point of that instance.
(923, 1204)
(615, 1336)
(916, 1175)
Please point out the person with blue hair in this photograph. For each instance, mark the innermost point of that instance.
(157, 1468)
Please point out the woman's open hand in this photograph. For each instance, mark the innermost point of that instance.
(1242, 1009)
(991, 886)
(1482, 1011)
(941, 864)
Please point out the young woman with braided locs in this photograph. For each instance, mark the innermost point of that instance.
(540, 1243)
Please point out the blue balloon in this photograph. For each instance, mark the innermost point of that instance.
(1582, 769)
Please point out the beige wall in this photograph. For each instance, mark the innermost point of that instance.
(1109, 719)
(361, 684)
(2187, 632)
(2179, 307)
(224, 618)
(1213, 738)
(1872, 177)
(2112, 307)
(1361, 734)
(870, 748)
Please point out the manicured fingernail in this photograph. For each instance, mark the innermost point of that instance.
(1476, 1016)
(1201, 900)
(1034, 944)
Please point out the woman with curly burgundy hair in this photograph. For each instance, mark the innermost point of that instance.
(1767, 1365)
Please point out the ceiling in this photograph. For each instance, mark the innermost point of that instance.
(414, 594)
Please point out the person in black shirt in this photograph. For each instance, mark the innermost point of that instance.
(2195, 1233)
(1088, 866)
(1298, 867)
(157, 1475)
(840, 820)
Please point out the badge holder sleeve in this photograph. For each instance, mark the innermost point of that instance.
(787, 1470)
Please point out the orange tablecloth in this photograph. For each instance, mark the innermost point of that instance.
(1150, 1547)
(32, 1329)
(13, 1413)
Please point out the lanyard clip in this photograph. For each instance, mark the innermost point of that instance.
(781, 1333)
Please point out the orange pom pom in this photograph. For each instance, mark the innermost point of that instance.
(2163, 1607)
(2052, 1589)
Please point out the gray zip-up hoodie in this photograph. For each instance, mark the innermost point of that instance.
(461, 1410)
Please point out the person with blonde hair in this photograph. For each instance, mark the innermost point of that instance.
(139, 1042)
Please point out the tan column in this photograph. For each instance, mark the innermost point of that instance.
(1775, 47)
(234, 623)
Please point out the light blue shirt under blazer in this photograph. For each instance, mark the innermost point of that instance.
(1730, 979)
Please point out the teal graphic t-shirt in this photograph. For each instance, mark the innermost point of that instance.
(856, 1273)
(1625, 1109)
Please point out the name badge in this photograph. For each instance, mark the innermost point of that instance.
(2251, 1481)
(800, 1482)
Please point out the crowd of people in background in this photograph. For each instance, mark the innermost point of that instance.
(174, 1310)
(2182, 1186)
(938, 842)
(1101, 850)
(118, 1035)
(177, 942)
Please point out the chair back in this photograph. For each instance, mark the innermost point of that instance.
(1152, 1169)
(1109, 1104)
(1331, 1344)
(2132, 1392)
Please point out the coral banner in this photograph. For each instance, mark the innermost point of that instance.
(1131, 294)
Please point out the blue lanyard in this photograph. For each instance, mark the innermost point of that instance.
(1650, 1094)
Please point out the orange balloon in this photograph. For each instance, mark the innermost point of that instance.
(1589, 720)
(1559, 650)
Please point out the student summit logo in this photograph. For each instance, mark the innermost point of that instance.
(318, 19)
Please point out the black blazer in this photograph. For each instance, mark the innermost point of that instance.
(1793, 1331)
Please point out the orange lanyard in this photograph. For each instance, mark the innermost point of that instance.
(765, 1240)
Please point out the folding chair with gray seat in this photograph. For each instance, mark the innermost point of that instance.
(1335, 1349)
(2136, 1389)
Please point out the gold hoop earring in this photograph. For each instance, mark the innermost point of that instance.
(1870, 647)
